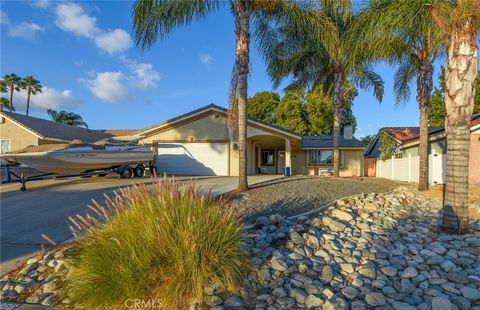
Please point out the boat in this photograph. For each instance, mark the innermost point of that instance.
(81, 157)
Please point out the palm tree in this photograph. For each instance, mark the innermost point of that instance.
(412, 48)
(3, 90)
(459, 24)
(68, 118)
(32, 86)
(316, 56)
(12, 81)
(156, 19)
(4, 104)
(459, 21)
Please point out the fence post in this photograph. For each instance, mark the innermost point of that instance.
(393, 170)
(409, 167)
(433, 162)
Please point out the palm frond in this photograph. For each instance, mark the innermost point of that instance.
(368, 79)
(404, 74)
(154, 19)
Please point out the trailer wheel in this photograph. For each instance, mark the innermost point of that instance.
(139, 171)
(126, 172)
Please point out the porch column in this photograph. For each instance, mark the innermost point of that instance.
(288, 155)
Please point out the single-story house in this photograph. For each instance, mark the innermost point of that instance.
(18, 131)
(407, 141)
(200, 143)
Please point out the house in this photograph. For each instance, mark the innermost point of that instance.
(407, 140)
(200, 143)
(18, 131)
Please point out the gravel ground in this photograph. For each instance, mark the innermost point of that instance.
(300, 194)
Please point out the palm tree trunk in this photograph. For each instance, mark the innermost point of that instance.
(11, 98)
(424, 89)
(337, 111)
(28, 101)
(460, 74)
(242, 11)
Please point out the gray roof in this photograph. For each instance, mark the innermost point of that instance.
(55, 131)
(319, 142)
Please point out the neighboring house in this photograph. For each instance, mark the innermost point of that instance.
(402, 135)
(18, 131)
(199, 143)
(407, 140)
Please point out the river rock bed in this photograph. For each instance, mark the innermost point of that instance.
(379, 251)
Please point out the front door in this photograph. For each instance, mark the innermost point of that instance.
(280, 161)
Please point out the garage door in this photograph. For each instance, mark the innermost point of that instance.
(192, 158)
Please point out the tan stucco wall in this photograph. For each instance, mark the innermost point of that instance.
(210, 127)
(19, 137)
(474, 163)
(351, 164)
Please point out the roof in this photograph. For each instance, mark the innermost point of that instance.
(405, 135)
(214, 107)
(402, 134)
(49, 130)
(318, 142)
(119, 132)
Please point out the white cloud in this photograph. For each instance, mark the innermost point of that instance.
(4, 18)
(43, 4)
(205, 58)
(115, 86)
(72, 18)
(25, 30)
(109, 86)
(49, 98)
(114, 41)
(142, 75)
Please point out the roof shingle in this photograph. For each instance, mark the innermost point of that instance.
(55, 131)
(317, 142)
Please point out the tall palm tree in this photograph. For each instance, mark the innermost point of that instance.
(413, 49)
(12, 81)
(32, 86)
(156, 19)
(68, 118)
(315, 56)
(459, 24)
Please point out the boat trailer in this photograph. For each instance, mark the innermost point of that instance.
(126, 171)
(12, 177)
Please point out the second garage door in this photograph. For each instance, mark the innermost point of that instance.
(192, 158)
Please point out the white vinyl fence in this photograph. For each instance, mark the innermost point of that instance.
(406, 169)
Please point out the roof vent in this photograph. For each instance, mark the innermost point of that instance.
(348, 132)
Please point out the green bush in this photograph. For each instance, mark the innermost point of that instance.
(162, 242)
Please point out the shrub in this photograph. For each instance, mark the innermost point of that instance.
(160, 242)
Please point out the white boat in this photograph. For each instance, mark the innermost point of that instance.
(73, 158)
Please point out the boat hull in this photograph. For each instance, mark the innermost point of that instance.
(76, 161)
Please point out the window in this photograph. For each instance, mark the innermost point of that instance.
(4, 146)
(321, 157)
(268, 158)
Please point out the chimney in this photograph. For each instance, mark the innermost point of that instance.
(348, 132)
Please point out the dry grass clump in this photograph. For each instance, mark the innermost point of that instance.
(165, 242)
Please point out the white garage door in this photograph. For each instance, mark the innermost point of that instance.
(192, 158)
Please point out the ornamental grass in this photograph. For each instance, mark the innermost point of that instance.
(161, 243)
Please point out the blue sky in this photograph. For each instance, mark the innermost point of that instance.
(83, 54)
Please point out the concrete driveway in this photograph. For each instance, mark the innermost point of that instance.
(46, 205)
